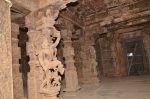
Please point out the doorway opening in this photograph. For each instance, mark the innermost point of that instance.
(135, 57)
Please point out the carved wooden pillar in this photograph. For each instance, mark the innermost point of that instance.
(6, 81)
(68, 53)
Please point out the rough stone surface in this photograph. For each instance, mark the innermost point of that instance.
(6, 89)
(16, 55)
(110, 26)
(31, 5)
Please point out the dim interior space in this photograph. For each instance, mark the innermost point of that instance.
(75, 49)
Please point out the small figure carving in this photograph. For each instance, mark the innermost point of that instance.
(47, 53)
(51, 83)
(93, 59)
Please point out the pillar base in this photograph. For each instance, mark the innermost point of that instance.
(71, 92)
(49, 97)
(93, 81)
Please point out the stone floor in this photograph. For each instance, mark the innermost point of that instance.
(133, 87)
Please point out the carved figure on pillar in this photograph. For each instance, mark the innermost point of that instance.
(43, 48)
(51, 67)
(93, 59)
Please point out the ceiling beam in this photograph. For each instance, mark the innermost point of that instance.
(71, 20)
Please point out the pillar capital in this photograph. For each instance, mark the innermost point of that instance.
(9, 2)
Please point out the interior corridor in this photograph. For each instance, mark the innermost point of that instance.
(132, 87)
(74, 49)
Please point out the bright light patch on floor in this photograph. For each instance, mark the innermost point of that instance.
(130, 54)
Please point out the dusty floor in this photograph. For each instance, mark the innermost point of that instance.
(135, 87)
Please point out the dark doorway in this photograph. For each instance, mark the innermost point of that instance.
(135, 57)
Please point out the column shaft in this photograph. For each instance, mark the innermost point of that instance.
(16, 55)
(71, 73)
(6, 82)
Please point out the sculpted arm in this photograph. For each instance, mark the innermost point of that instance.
(41, 60)
(57, 40)
(61, 69)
